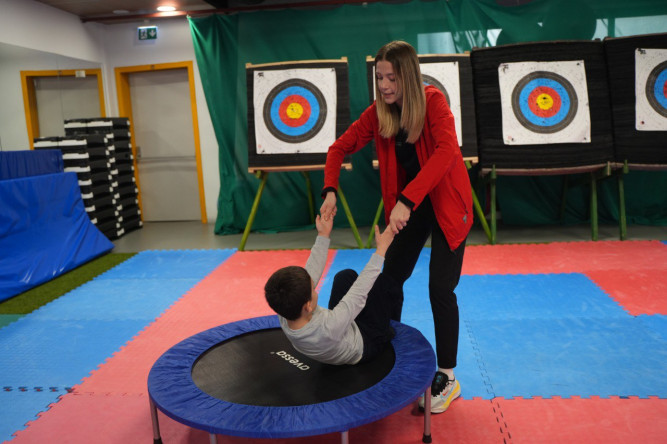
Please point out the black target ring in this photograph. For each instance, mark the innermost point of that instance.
(310, 95)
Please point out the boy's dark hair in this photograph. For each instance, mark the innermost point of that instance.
(287, 290)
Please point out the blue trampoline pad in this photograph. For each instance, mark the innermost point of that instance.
(45, 353)
(571, 357)
(117, 299)
(531, 296)
(171, 264)
(17, 408)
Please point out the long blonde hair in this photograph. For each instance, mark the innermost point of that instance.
(404, 61)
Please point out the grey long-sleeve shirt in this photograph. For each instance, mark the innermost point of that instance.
(332, 336)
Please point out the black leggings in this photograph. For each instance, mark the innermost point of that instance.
(444, 274)
(374, 319)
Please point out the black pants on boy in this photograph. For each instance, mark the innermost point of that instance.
(444, 274)
(374, 319)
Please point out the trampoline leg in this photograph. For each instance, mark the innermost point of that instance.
(156, 426)
(427, 416)
(213, 438)
(344, 437)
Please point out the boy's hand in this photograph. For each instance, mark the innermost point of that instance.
(383, 240)
(324, 226)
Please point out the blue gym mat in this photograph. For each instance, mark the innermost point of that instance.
(169, 264)
(571, 357)
(491, 297)
(114, 299)
(98, 318)
(17, 407)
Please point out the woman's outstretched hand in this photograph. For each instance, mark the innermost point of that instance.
(328, 208)
(399, 217)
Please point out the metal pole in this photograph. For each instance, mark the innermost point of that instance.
(156, 426)
(427, 416)
(344, 438)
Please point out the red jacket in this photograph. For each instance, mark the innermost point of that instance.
(443, 174)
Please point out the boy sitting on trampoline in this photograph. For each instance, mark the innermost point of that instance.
(356, 327)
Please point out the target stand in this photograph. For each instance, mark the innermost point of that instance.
(263, 175)
(543, 108)
(296, 111)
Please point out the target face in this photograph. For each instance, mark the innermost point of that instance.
(544, 102)
(651, 89)
(295, 110)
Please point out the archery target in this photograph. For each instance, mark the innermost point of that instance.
(445, 77)
(651, 89)
(295, 110)
(544, 102)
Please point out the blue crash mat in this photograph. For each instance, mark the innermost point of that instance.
(44, 231)
(25, 163)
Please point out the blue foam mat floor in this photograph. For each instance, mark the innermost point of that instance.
(56, 346)
(521, 335)
(18, 407)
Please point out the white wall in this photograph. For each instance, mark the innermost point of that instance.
(33, 25)
(36, 36)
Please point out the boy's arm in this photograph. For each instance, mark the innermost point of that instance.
(354, 301)
(318, 254)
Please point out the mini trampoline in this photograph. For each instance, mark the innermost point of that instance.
(245, 379)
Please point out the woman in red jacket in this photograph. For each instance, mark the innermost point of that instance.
(425, 189)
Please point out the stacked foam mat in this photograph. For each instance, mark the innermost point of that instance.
(100, 152)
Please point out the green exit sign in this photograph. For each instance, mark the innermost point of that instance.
(147, 32)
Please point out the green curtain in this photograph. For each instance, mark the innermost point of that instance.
(225, 43)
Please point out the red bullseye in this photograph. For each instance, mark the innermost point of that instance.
(294, 111)
(544, 102)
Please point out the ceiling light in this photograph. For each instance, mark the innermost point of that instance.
(166, 8)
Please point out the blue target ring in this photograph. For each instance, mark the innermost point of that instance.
(310, 99)
(276, 118)
(557, 91)
(656, 89)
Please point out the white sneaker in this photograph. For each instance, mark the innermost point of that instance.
(443, 392)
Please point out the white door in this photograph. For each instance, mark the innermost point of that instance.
(163, 132)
